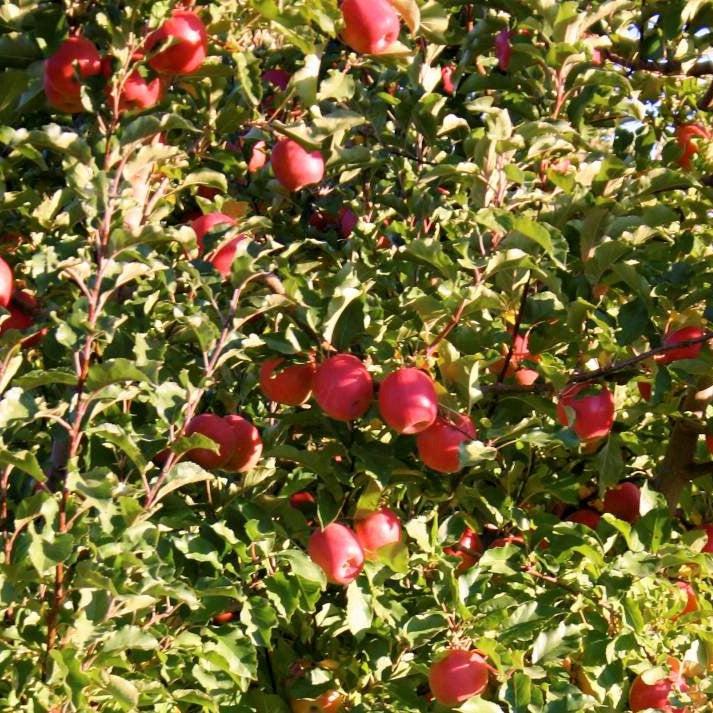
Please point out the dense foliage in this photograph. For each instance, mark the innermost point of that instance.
(516, 199)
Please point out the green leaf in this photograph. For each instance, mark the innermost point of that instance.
(359, 609)
(130, 637)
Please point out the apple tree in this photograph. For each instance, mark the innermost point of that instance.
(354, 356)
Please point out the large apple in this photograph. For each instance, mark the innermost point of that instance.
(593, 413)
(205, 223)
(187, 41)
(585, 516)
(644, 695)
(7, 283)
(439, 445)
(76, 58)
(338, 552)
(376, 530)
(247, 445)
(138, 93)
(329, 702)
(457, 676)
(217, 429)
(343, 387)
(681, 335)
(290, 385)
(407, 400)
(467, 550)
(294, 166)
(684, 137)
(623, 501)
(370, 26)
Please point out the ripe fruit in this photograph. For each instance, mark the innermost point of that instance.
(644, 390)
(594, 413)
(138, 93)
(655, 695)
(258, 157)
(290, 385)
(503, 49)
(376, 530)
(681, 335)
(279, 78)
(222, 259)
(684, 137)
(205, 223)
(246, 445)
(188, 48)
(343, 387)
(224, 617)
(708, 530)
(329, 702)
(218, 430)
(295, 167)
(691, 598)
(623, 501)
(447, 79)
(526, 377)
(709, 442)
(467, 550)
(520, 353)
(458, 676)
(439, 445)
(338, 552)
(7, 283)
(408, 401)
(585, 516)
(348, 220)
(370, 26)
(303, 501)
(75, 59)
(507, 540)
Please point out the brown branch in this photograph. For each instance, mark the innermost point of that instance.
(668, 68)
(447, 329)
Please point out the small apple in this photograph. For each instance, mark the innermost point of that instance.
(224, 617)
(520, 353)
(348, 220)
(376, 530)
(76, 58)
(223, 257)
(623, 501)
(467, 550)
(643, 696)
(447, 72)
(691, 598)
(303, 501)
(458, 675)
(329, 702)
(187, 42)
(685, 133)
(138, 93)
(593, 413)
(585, 516)
(7, 283)
(246, 446)
(370, 26)
(680, 335)
(708, 530)
(343, 387)
(507, 540)
(294, 166)
(709, 442)
(205, 223)
(278, 78)
(644, 389)
(407, 400)
(338, 552)
(290, 385)
(258, 157)
(217, 429)
(503, 49)
(439, 445)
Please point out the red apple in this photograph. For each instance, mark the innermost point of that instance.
(376, 530)
(207, 192)
(503, 49)
(655, 695)
(709, 442)
(407, 400)
(279, 78)
(338, 552)
(526, 377)
(708, 530)
(224, 256)
(76, 58)
(644, 390)
(258, 157)
(224, 617)
(348, 220)
(246, 445)
(447, 78)
(681, 335)
(520, 353)
(343, 387)
(691, 598)
(467, 550)
(290, 385)
(623, 501)
(7, 283)
(684, 137)
(218, 430)
(329, 702)
(294, 166)
(439, 445)
(457, 676)
(205, 223)
(585, 516)
(303, 501)
(188, 44)
(370, 26)
(507, 540)
(138, 93)
(593, 413)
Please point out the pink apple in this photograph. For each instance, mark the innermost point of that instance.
(376, 530)
(593, 413)
(77, 58)
(681, 335)
(407, 400)
(214, 427)
(343, 387)
(439, 445)
(655, 695)
(370, 26)
(187, 41)
(457, 676)
(294, 166)
(337, 551)
(290, 384)
(246, 445)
